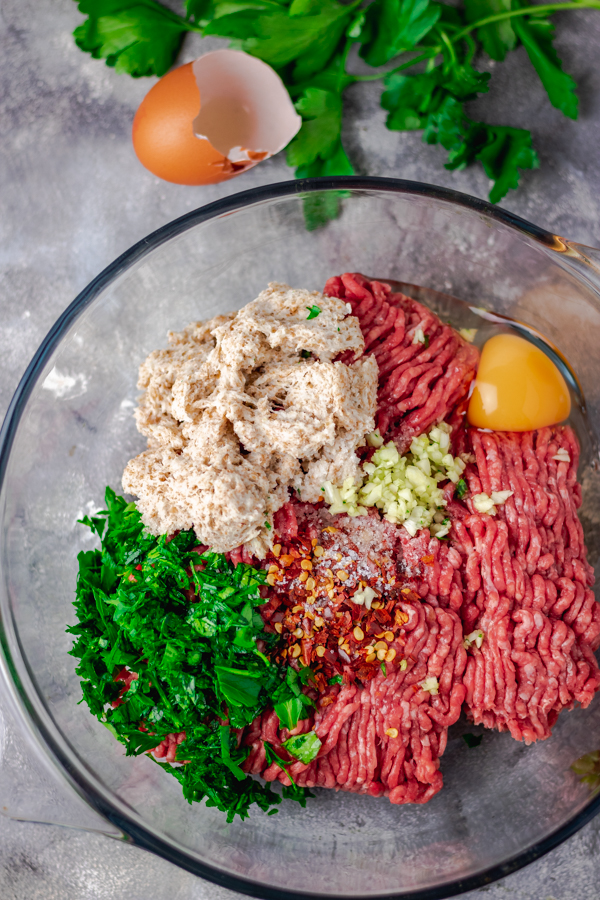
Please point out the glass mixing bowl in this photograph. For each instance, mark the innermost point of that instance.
(70, 431)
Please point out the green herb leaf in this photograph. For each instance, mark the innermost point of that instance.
(321, 207)
(307, 33)
(304, 747)
(139, 37)
(537, 36)
(201, 11)
(503, 151)
(289, 712)
(319, 135)
(461, 488)
(313, 311)
(238, 687)
(273, 757)
(336, 679)
(409, 100)
(394, 26)
(463, 81)
(497, 38)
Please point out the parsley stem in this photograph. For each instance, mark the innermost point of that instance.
(471, 49)
(448, 44)
(526, 11)
(348, 45)
(411, 62)
(156, 683)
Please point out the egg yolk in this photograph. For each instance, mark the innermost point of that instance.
(518, 387)
(163, 136)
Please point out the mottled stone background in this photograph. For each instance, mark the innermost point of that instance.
(73, 197)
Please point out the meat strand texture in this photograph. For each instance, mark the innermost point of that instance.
(384, 738)
(527, 584)
(420, 383)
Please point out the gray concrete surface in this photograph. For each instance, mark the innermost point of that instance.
(73, 197)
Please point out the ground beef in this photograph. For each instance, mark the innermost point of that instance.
(425, 367)
(526, 584)
(386, 737)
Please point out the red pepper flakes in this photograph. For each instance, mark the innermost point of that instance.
(325, 612)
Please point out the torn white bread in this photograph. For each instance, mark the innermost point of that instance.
(245, 407)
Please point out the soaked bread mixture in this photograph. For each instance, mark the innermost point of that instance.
(244, 408)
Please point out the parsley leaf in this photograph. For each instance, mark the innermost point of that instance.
(320, 104)
(187, 625)
(497, 38)
(536, 36)
(409, 99)
(289, 712)
(307, 33)
(303, 746)
(503, 151)
(313, 311)
(461, 488)
(394, 26)
(239, 687)
(139, 37)
(318, 137)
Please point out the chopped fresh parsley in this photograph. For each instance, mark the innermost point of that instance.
(461, 488)
(306, 354)
(313, 311)
(187, 624)
(337, 679)
(303, 746)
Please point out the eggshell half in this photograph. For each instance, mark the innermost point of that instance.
(210, 120)
(246, 112)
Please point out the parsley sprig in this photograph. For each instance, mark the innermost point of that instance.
(308, 42)
(187, 623)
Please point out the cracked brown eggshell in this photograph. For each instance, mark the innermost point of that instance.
(212, 119)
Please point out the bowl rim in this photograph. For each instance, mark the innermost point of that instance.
(31, 718)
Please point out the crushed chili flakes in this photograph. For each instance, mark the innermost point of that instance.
(311, 582)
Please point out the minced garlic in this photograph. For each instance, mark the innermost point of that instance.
(405, 488)
(476, 637)
(487, 504)
(431, 684)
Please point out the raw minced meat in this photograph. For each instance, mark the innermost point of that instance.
(425, 366)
